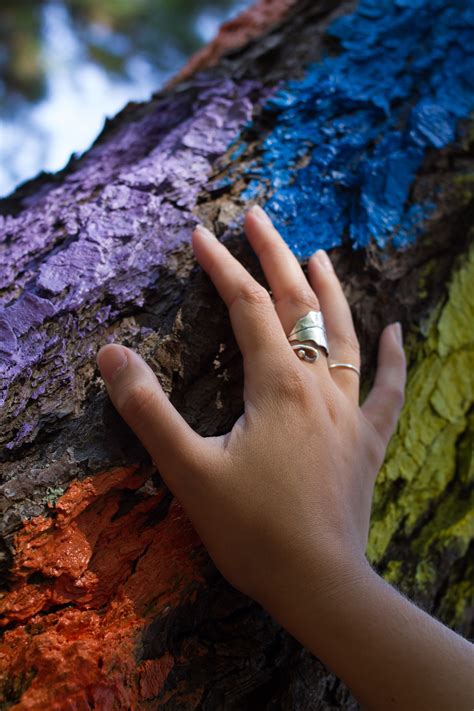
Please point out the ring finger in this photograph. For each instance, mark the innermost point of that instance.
(343, 342)
(293, 296)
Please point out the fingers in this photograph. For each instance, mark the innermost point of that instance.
(342, 338)
(385, 400)
(292, 294)
(254, 320)
(176, 449)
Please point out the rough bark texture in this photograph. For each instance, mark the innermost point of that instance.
(108, 599)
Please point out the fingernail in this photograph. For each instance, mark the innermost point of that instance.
(204, 232)
(324, 260)
(111, 361)
(261, 215)
(397, 330)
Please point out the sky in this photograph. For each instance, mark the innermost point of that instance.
(80, 96)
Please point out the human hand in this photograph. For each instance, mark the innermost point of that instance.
(282, 502)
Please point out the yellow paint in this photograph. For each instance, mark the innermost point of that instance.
(422, 491)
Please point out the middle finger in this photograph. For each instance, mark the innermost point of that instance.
(293, 296)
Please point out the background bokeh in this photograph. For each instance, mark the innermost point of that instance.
(66, 65)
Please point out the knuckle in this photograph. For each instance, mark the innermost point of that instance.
(332, 407)
(270, 248)
(300, 295)
(292, 385)
(395, 395)
(254, 294)
(136, 401)
(349, 342)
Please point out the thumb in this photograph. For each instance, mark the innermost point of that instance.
(385, 400)
(138, 397)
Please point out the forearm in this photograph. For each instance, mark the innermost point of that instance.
(389, 652)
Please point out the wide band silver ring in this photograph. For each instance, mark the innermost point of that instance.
(308, 335)
(349, 366)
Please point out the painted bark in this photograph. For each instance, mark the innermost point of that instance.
(354, 132)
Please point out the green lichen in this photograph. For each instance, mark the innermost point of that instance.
(425, 574)
(465, 453)
(453, 606)
(53, 493)
(420, 487)
(451, 524)
(455, 326)
(394, 572)
(464, 185)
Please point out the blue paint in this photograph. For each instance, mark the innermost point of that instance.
(363, 121)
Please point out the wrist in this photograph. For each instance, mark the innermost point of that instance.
(309, 596)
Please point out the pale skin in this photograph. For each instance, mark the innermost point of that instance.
(282, 502)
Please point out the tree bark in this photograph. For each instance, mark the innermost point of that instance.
(109, 600)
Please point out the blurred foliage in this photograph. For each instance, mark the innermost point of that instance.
(111, 33)
(21, 70)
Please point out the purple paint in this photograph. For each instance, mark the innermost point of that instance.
(100, 234)
(27, 311)
(8, 340)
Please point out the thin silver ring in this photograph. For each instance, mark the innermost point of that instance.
(345, 365)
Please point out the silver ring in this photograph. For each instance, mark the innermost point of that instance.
(305, 352)
(307, 335)
(345, 365)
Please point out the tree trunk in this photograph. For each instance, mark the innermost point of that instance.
(356, 137)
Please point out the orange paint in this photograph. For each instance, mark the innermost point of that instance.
(114, 574)
(250, 24)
